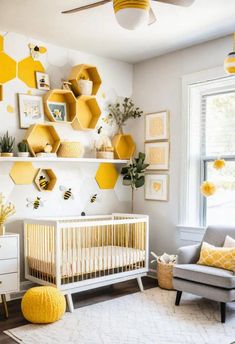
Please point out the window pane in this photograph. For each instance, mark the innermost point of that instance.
(220, 124)
(221, 206)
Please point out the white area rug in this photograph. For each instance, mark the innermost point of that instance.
(142, 318)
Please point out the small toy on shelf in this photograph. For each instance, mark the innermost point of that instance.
(6, 210)
(23, 149)
(48, 148)
(104, 148)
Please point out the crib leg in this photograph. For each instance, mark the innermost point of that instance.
(140, 284)
(69, 302)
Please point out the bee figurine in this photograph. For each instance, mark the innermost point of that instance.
(35, 203)
(67, 193)
(43, 183)
(36, 50)
(93, 198)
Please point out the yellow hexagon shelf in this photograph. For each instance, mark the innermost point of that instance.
(1, 92)
(60, 96)
(1, 43)
(8, 68)
(88, 113)
(23, 173)
(106, 176)
(89, 73)
(45, 180)
(124, 146)
(26, 71)
(39, 135)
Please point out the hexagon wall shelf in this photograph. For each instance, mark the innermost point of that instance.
(89, 72)
(1, 92)
(45, 180)
(106, 176)
(1, 43)
(23, 173)
(124, 146)
(88, 113)
(26, 71)
(38, 135)
(60, 96)
(8, 68)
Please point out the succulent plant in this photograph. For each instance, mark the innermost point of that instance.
(7, 143)
(23, 147)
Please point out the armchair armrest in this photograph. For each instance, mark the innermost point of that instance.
(189, 254)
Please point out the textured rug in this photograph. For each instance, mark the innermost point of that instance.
(142, 318)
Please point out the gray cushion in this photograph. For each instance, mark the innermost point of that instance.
(206, 275)
(215, 235)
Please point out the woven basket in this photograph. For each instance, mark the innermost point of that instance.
(104, 155)
(165, 275)
(71, 150)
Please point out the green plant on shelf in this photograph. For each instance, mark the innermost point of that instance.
(7, 143)
(23, 147)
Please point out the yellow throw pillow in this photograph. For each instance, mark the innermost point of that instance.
(218, 257)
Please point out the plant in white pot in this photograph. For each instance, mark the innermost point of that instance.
(6, 145)
(85, 85)
(23, 149)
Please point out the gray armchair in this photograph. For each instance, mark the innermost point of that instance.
(211, 283)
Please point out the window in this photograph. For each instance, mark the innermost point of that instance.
(208, 133)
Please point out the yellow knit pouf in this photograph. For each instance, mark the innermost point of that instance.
(43, 305)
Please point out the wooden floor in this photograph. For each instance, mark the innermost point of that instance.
(80, 300)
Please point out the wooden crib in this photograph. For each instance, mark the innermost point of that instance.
(76, 254)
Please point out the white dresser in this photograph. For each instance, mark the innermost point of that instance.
(9, 266)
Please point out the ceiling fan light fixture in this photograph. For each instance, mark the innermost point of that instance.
(131, 14)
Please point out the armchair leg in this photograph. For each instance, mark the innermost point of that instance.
(223, 311)
(178, 297)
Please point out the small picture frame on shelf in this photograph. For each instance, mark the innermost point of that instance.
(157, 155)
(157, 126)
(156, 187)
(43, 81)
(58, 111)
(31, 110)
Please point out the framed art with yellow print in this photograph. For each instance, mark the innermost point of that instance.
(157, 126)
(157, 155)
(156, 187)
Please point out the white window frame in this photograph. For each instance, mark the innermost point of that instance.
(190, 229)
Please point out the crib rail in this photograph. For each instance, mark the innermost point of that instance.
(68, 251)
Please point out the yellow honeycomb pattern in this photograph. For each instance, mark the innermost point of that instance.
(218, 257)
(8, 68)
(1, 43)
(106, 176)
(23, 173)
(26, 71)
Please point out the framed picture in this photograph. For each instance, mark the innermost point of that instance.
(157, 155)
(43, 81)
(156, 187)
(58, 111)
(157, 126)
(31, 110)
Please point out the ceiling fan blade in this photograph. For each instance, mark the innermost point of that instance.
(152, 17)
(86, 7)
(185, 3)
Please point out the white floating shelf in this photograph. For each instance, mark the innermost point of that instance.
(52, 159)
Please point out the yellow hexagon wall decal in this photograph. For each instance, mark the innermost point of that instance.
(8, 68)
(1, 43)
(26, 71)
(106, 176)
(23, 173)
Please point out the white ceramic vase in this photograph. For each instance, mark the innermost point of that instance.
(85, 87)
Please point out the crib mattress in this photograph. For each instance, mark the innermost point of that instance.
(89, 260)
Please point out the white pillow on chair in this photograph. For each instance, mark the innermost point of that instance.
(229, 242)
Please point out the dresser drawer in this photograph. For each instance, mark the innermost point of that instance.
(8, 247)
(8, 266)
(8, 283)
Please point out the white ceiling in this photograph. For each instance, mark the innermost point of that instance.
(96, 30)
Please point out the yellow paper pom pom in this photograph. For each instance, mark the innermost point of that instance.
(219, 164)
(208, 188)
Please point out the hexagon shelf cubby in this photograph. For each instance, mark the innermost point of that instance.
(106, 176)
(1, 92)
(45, 180)
(124, 146)
(39, 135)
(88, 113)
(52, 100)
(85, 71)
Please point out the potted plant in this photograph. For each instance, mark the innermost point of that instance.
(7, 144)
(85, 85)
(23, 149)
(133, 175)
(6, 210)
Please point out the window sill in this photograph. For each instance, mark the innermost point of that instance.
(191, 233)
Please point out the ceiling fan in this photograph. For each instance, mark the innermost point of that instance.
(131, 14)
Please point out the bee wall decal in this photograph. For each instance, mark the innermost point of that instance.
(99, 130)
(36, 50)
(93, 198)
(35, 203)
(43, 182)
(67, 193)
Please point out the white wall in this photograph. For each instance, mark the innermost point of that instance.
(117, 81)
(157, 86)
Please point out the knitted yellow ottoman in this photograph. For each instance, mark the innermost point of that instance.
(43, 305)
